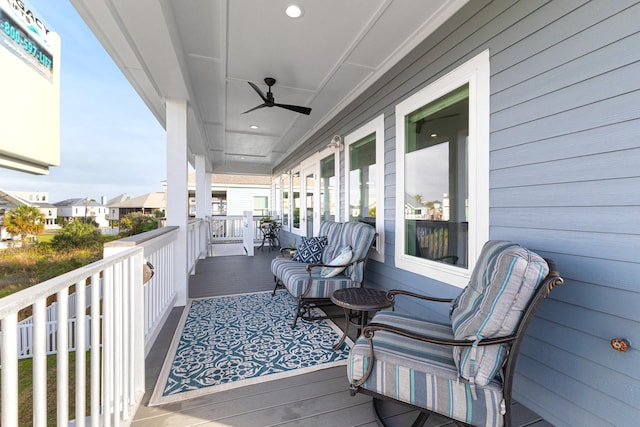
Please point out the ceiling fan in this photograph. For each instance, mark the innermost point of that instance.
(269, 101)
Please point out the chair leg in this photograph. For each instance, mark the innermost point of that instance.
(420, 420)
(298, 314)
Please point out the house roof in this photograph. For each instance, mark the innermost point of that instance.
(9, 200)
(148, 201)
(77, 202)
(119, 199)
(230, 180)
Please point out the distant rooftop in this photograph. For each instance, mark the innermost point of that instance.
(149, 200)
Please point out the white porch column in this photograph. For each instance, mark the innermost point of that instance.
(177, 190)
(209, 199)
(203, 188)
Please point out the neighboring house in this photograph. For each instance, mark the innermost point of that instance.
(71, 209)
(13, 199)
(148, 204)
(234, 194)
(113, 213)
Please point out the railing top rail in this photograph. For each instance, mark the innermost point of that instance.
(24, 298)
(138, 239)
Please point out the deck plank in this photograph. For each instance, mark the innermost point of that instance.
(319, 398)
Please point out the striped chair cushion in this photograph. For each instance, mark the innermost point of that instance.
(423, 374)
(501, 285)
(294, 276)
(357, 235)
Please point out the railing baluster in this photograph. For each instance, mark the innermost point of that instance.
(107, 345)
(96, 292)
(40, 362)
(10, 370)
(81, 348)
(63, 357)
(118, 277)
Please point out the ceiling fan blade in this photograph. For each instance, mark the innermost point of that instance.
(296, 108)
(255, 108)
(257, 89)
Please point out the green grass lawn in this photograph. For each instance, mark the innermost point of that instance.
(25, 389)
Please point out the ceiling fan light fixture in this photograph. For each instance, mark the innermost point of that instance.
(294, 11)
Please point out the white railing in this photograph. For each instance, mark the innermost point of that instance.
(159, 292)
(25, 337)
(113, 347)
(231, 228)
(197, 241)
(116, 379)
(25, 328)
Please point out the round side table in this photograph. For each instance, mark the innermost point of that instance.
(361, 300)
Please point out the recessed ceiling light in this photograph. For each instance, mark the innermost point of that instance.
(241, 158)
(254, 126)
(294, 11)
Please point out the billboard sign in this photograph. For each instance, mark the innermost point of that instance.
(26, 36)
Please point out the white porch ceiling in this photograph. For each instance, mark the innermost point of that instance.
(205, 51)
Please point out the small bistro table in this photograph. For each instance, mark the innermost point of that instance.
(362, 300)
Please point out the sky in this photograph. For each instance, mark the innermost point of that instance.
(110, 143)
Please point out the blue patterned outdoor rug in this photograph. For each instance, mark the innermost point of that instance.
(232, 341)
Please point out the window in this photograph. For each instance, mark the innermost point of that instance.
(364, 179)
(260, 205)
(285, 201)
(295, 192)
(442, 174)
(328, 187)
(276, 199)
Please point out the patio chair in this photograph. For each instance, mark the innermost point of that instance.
(335, 259)
(462, 370)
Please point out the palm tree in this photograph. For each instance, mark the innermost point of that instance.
(24, 221)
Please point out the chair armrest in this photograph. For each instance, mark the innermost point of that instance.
(369, 331)
(392, 293)
(312, 265)
(288, 250)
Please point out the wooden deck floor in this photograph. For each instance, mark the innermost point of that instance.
(316, 399)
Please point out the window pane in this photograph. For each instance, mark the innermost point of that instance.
(309, 186)
(295, 180)
(260, 205)
(285, 199)
(327, 188)
(436, 179)
(362, 180)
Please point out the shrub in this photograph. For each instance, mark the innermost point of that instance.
(136, 223)
(77, 234)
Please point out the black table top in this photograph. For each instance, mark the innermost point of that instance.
(362, 299)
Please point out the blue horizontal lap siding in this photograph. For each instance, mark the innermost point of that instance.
(564, 182)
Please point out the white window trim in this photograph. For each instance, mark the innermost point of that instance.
(475, 72)
(376, 125)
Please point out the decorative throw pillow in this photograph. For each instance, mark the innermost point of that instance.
(310, 249)
(342, 259)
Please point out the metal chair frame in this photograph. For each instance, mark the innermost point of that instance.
(513, 342)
